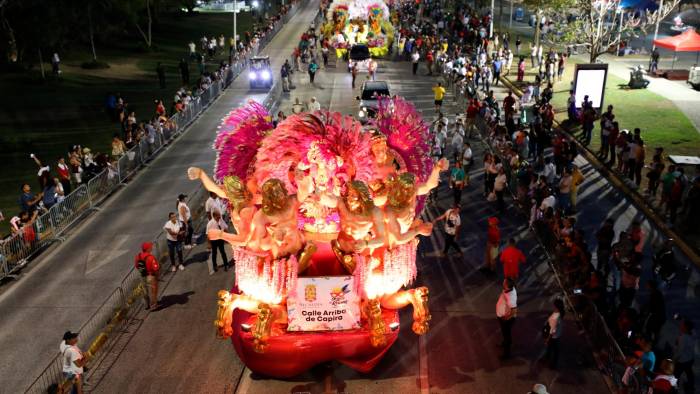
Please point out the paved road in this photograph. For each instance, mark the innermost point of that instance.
(459, 354)
(63, 287)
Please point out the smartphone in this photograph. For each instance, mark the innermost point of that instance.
(578, 291)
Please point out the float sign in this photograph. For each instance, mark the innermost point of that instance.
(325, 303)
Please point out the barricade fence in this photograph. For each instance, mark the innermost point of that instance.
(101, 330)
(607, 352)
(54, 222)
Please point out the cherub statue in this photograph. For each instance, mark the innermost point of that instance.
(361, 223)
(241, 204)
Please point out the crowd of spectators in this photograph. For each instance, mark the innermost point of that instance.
(535, 162)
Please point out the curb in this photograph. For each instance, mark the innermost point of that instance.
(615, 180)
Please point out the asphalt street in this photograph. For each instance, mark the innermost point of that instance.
(64, 286)
(174, 349)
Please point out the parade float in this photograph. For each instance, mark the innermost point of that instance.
(359, 22)
(326, 232)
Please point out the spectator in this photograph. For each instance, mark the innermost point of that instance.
(212, 204)
(160, 70)
(28, 202)
(554, 330)
(118, 148)
(73, 361)
(415, 57)
(313, 67)
(684, 356)
(452, 226)
(148, 267)
(664, 382)
(297, 107)
(499, 187)
(539, 388)
(439, 93)
(64, 174)
(185, 217)
(506, 311)
(216, 223)
(457, 181)
(564, 190)
(493, 239)
(175, 235)
(512, 258)
(314, 105)
(605, 237)
(56, 64)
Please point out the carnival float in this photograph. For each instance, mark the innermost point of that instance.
(326, 233)
(365, 22)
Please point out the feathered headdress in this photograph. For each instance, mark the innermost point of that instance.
(238, 139)
(407, 134)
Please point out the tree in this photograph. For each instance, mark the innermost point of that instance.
(133, 11)
(98, 7)
(603, 24)
(548, 8)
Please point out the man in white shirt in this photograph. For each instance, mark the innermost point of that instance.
(216, 223)
(73, 361)
(415, 57)
(314, 105)
(550, 171)
(457, 142)
(548, 202)
(467, 157)
(212, 204)
(174, 234)
(506, 311)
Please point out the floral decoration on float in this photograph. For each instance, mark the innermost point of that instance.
(326, 232)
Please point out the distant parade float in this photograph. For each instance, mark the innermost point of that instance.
(326, 232)
(364, 22)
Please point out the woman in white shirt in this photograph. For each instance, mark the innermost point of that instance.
(554, 330)
(499, 187)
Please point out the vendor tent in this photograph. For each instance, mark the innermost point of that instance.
(688, 41)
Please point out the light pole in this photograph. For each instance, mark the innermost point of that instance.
(235, 31)
(492, 15)
(656, 29)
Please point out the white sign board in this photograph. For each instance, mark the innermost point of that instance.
(326, 303)
(590, 81)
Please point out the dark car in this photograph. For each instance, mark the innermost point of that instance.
(260, 74)
(359, 54)
(369, 98)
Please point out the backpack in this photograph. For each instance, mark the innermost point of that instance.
(141, 265)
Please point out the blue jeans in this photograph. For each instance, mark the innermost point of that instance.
(175, 246)
(564, 201)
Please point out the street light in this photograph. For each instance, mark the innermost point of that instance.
(235, 31)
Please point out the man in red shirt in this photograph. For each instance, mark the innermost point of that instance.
(472, 111)
(147, 265)
(512, 257)
(64, 175)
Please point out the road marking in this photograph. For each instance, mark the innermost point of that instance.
(423, 365)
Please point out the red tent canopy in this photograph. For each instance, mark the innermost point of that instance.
(688, 41)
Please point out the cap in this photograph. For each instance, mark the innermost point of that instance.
(539, 388)
(493, 220)
(147, 246)
(181, 196)
(69, 335)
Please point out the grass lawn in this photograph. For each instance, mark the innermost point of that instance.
(46, 118)
(661, 122)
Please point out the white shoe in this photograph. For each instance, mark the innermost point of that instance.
(181, 267)
(212, 272)
(173, 268)
(188, 247)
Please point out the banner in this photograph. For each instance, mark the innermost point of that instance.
(326, 303)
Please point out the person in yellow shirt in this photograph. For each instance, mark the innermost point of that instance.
(576, 180)
(439, 92)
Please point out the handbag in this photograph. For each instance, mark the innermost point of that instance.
(183, 231)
